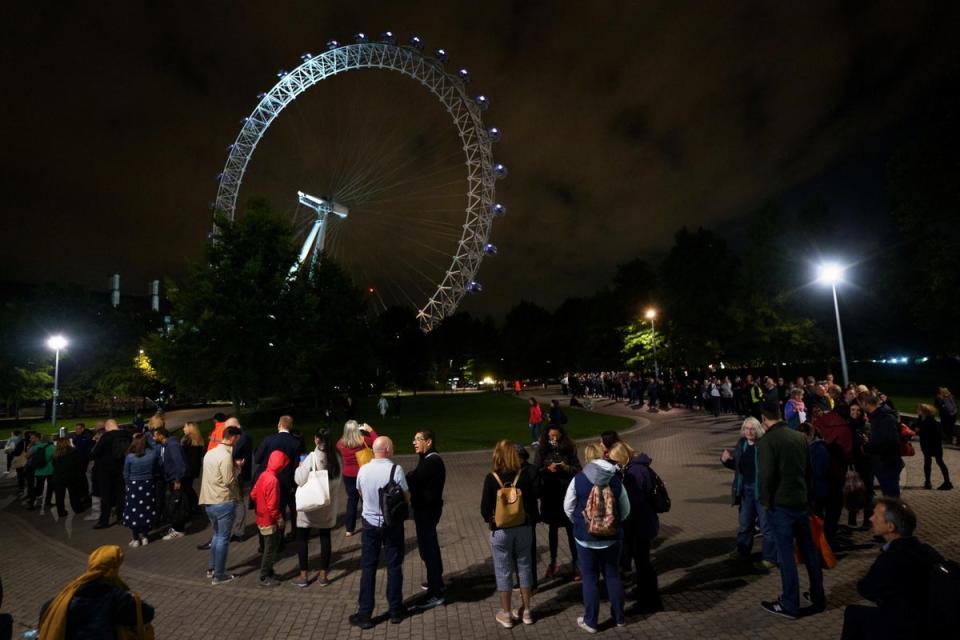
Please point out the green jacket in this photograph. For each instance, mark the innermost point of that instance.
(785, 470)
(44, 449)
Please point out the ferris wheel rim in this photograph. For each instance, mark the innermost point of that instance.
(450, 89)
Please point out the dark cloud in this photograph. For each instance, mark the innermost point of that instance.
(622, 121)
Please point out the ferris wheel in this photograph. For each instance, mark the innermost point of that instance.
(379, 197)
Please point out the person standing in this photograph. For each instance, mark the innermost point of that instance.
(292, 446)
(376, 535)
(193, 448)
(931, 444)
(884, 445)
(140, 470)
(383, 405)
(785, 475)
(535, 421)
(174, 468)
(266, 496)
(323, 458)
(216, 436)
(947, 407)
(67, 478)
(599, 552)
(109, 455)
(557, 463)
(426, 483)
(41, 463)
(82, 441)
(243, 457)
(355, 437)
(219, 490)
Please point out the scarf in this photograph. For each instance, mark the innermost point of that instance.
(103, 564)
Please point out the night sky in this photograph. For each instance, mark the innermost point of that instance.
(622, 121)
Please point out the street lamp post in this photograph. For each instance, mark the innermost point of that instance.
(56, 343)
(832, 274)
(651, 316)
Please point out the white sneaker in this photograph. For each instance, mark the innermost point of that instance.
(133, 544)
(144, 541)
(173, 535)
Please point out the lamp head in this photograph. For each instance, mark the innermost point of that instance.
(830, 273)
(651, 314)
(56, 342)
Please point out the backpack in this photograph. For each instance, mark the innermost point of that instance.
(658, 497)
(509, 511)
(393, 504)
(39, 459)
(943, 601)
(600, 512)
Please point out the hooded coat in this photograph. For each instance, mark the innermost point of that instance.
(598, 472)
(266, 492)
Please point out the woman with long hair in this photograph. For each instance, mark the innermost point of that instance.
(931, 444)
(323, 458)
(194, 447)
(140, 468)
(96, 603)
(355, 437)
(557, 463)
(535, 421)
(67, 476)
(511, 546)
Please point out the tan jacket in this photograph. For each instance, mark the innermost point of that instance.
(220, 482)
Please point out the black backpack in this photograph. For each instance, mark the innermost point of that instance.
(658, 496)
(943, 601)
(393, 504)
(39, 459)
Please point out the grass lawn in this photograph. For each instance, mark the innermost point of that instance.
(461, 422)
(908, 404)
(45, 427)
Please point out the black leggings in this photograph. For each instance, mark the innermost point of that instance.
(553, 535)
(928, 459)
(303, 534)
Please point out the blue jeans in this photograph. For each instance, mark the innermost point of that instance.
(752, 511)
(221, 519)
(426, 522)
(786, 525)
(350, 486)
(888, 477)
(391, 539)
(592, 562)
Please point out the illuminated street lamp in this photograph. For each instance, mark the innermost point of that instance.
(831, 273)
(56, 343)
(651, 315)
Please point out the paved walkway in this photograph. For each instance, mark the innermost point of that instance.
(706, 595)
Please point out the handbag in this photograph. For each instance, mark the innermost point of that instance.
(315, 492)
(140, 631)
(364, 455)
(19, 462)
(854, 491)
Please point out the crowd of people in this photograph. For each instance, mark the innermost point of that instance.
(799, 446)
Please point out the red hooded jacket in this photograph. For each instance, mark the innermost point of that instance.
(266, 491)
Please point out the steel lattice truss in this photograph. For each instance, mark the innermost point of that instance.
(466, 114)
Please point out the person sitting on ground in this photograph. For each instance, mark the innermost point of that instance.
(96, 603)
(599, 552)
(897, 581)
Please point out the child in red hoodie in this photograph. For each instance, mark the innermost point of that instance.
(266, 495)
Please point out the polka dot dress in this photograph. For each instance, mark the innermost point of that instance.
(140, 507)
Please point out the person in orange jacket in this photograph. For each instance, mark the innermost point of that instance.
(216, 436)
(266, 495)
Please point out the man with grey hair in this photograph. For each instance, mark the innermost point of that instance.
(898, 581)
(371, 480)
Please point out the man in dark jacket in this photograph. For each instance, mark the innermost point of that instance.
(884, 445)
(108, 455)
(897, 581)
(284, 441)
(174, 469)
(785, 475)
(426, 497)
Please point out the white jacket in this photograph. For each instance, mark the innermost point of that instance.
(325, 517)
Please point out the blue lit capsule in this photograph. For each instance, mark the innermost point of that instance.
(482, 101)
(441, 55)
(306, 56)
(498, 209)
(261, 95)
(474, 287)
(494, 134)
(360, 38)
(389, 37)
(417, 43)
(220, 176)
(281, 73)
(500, 170)
(464, 75)
(490, 249)
(332, 44)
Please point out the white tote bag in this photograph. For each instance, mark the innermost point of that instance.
(315, 494)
